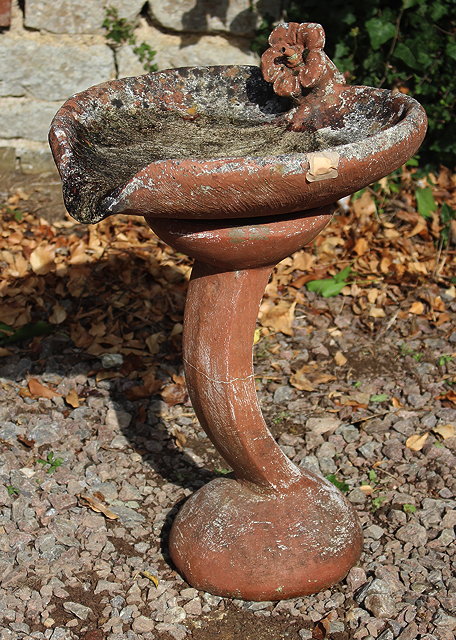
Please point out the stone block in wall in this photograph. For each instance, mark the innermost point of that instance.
(22, 118)
(35, 157)
(183, 51)
(76, 16)
(51, 70)
(7, 160)
(5, 13)
(209, 16)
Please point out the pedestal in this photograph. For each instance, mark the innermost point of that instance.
(276, 531)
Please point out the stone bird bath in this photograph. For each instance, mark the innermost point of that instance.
(239, 167)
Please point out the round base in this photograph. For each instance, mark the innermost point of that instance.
(232, 541)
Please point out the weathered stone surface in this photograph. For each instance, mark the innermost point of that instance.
(175, 51)
(51, 70)
(78, 609)
(76, 16)
(20, 118)
(208, 16)
(7, 159)
(143, 625)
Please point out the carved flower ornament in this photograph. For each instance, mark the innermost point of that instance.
(295, 58)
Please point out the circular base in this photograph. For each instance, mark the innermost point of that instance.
(232, 541)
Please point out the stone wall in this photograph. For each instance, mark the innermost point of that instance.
(50, 49)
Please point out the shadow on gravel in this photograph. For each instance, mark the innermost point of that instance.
(92, 298)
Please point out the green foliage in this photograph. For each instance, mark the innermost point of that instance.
(119, 32)
(447, 214)
(408, 508)
(379, 397)
(146, 55)
(340, 484)
(8, 335)
(12, 491)
(373, 477)
(280, 417)
(51, 462)
(408, 45)
(405, 350)
(377, 502)
(425, 202)
(329, 287)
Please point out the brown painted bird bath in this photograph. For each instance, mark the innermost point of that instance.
(239, 167)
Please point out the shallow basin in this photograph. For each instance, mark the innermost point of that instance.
(215, 142)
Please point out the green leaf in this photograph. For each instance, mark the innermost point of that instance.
(26, 332)
(404, 53)
(425, 202)
(412, 162)
(343, 275)
(326, 288)
(451, 50)
(5, 330)
(381, 397)
(408, 508)
(340, 484)
(373, 477)
(329, 287)
(380, 31)
(377, 502)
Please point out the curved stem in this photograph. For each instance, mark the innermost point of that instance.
(220, 315)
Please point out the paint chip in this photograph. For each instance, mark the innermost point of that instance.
(322, 166)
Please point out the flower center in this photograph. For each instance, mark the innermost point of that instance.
(294, 58)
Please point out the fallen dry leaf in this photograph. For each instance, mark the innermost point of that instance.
(72, 399)
(179, 438)
(445, 430)
(377, 312)
(367, 489)
(416, 442)
(27, 442)
(174, 394)
(361, 246)
(98, 507)
(151, 577)
(42, 259)
(38, 390)
(58, 314)
(364, 205)
(300, 381)
(278, 316)
(340, 359)
(417, 308)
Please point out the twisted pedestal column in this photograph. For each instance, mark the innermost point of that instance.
(276, 531)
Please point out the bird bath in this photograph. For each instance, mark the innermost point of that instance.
(239, 167)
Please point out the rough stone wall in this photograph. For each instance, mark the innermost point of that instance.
(52, 49)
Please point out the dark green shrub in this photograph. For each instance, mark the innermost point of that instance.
(408, 45)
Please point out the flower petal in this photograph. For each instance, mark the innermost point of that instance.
(285, 33)
(287, 85)
(269, 67)
(313, 69)
(311, 35)
(279, 35)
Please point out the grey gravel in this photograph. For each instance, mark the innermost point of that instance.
(67, 570)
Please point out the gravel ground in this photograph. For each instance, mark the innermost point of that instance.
(69, 572)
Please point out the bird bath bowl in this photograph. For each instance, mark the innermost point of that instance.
(239, 167)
